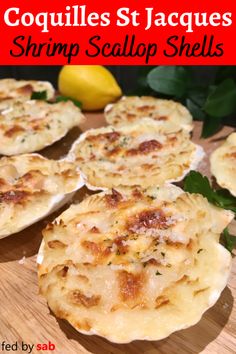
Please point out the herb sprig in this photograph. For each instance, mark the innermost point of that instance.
(229, 240)
(39, 95)
(194, 182)
(42, 95)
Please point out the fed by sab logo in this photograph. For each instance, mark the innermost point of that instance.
(25, 347)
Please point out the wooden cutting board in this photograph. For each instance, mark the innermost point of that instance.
(24, 315)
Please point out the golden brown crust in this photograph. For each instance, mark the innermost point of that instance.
(145, 148)
(131, 268)
(131, 109)
(28, 126)
(77, 298)
(11, 88)
(144, 153)
(130, 285)
(31, 182)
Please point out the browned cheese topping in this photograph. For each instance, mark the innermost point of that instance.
(79, 299)
(113, 199)
(148, 219)
(130, 285)
(13, 196)
(14, 131)
(111, 137)
(145, 148)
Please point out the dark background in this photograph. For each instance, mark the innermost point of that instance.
(125, 75)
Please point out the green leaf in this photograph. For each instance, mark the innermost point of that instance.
(170, 80)
(198, 94)
(65, 99)
(196, 99)
(211, 89)
(222, 100)
(42, 95)
(39, 95)
(194, 182)
(229, 240)
(225, 200)
(211, 125)
(195, 110)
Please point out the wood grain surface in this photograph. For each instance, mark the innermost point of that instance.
(24, 315)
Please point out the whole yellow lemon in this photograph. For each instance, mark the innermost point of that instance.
(93, 85)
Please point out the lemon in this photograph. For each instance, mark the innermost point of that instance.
(93, 85)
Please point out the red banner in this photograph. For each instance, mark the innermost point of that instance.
(122, 32)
